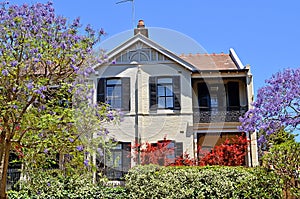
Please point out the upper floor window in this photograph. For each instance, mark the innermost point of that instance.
(218, 96)
(164, 93)
(165, 97)
(115, 92)
(233, 95)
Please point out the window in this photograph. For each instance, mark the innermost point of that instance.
(115, 92)
(203, 96)
(164, 93)
(119, 162)
(165, 152)
(233, 95)
(211, 97)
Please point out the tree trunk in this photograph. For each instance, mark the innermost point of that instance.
(5, 149)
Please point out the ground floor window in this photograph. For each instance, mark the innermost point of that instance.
(118, 162)
(163, 152)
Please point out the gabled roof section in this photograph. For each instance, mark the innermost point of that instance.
(139, 38)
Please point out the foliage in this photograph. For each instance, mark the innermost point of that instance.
(53, 184)
(284, 160)
(154, 153)
(230, 153)
(41, 54)
(277, 105)
(152, 181)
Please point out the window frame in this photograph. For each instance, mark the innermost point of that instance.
(114, 97)
(116, 172)
(153, 93)
(125, 92)
(165, 96)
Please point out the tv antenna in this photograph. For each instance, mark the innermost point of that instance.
(133, 11)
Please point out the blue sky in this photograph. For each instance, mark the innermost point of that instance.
(264, 33)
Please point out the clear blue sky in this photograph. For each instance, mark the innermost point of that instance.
(264, 33)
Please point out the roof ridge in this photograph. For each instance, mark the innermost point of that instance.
(202, 54)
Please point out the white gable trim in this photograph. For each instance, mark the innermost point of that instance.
(140, 38)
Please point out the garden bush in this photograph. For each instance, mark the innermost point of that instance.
(152, 181)
(53, 184)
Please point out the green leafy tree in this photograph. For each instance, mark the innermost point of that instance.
(284, 159)
(38, 51)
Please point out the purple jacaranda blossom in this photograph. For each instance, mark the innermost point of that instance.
(29, 86)
(48, 184)
(79, 148)
(15, 106)
(75, 68)
(261, 139)
(102, 32)
(46, 151)
(43, 88)
(86, 162)
(276, 106)
(48, 62)
(34, 33)
(13, 63)
(76, 22)
(4, 72)
(71, 140)
(39, 92)
(110, 115)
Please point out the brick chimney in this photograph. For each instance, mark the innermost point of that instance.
(140, 28)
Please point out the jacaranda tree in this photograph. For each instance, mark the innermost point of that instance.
(277, 105)
(38, 52)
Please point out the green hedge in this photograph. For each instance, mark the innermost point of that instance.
(53, 184)
(152, 181)
(90, 193)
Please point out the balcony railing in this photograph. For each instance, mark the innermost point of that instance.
(226, 114)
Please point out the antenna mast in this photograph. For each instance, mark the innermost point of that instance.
(132, 10)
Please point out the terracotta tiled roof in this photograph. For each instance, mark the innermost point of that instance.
(210, 61)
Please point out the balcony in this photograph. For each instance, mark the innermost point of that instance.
(220, 114)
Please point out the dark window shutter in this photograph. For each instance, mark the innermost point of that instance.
(101, 90)
(177, 93)
(152, 93)
(126, 152)
(178, 149)
(125, 93)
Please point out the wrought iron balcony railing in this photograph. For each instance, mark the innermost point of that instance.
(221, 114)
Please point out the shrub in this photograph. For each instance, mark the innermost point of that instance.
(152, 181)
(52, 184)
